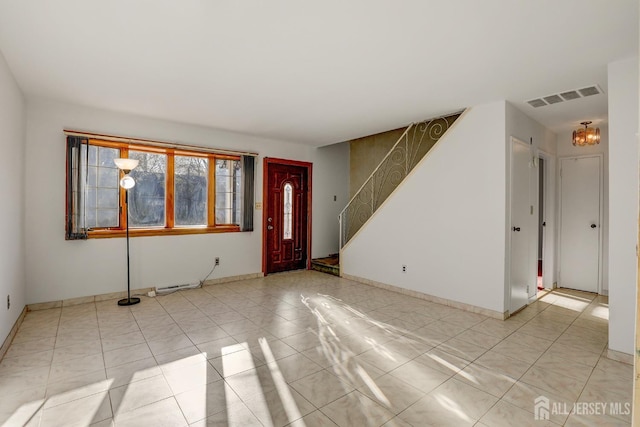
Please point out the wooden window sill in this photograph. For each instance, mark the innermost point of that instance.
(146, 232)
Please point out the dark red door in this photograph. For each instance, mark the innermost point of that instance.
(286, 223)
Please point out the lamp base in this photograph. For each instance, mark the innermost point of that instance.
(129, 301)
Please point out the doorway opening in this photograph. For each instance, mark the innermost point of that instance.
(286, 230)
(541, 221)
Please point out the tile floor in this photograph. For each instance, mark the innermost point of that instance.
(309, 349)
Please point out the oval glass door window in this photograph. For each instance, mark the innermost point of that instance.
(287, 211)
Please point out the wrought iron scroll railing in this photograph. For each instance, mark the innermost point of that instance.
(405, 154)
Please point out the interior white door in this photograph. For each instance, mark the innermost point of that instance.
(520, 224)
(580, 223)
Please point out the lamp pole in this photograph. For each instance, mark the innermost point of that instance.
(127, 182)
(128, 300)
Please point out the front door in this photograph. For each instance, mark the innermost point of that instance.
(286, 222)
(580, 223)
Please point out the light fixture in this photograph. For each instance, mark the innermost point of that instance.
(586, 136)
(127, 182)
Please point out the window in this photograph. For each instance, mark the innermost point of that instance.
(177, 191)
(287, 211)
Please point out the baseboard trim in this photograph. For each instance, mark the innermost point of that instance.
(450, 303)
(233, 278)
(12, 333)
(619, 356)
(118, 295)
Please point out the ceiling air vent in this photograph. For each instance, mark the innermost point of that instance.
(569, 95)
(588, 91)
(553, 99)
(537, 103)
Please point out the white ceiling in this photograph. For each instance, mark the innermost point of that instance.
(317, 72)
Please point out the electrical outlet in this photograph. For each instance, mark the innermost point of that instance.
(404, 268)
(8, 301)
(217, 260)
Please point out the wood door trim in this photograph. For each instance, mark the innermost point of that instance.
(267, 161)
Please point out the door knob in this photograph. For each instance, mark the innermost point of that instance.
(593, 226)
(270, 227)
(516, 228)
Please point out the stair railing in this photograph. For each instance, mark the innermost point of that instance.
(405, 154)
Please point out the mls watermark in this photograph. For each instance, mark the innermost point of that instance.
(543, 408)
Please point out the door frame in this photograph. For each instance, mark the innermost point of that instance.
(548, 237)
(600, 157)
(266, 163)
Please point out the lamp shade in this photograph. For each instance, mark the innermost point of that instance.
(586, 136)
(126, 164)
(127, 182)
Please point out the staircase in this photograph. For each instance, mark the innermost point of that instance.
(405, 154)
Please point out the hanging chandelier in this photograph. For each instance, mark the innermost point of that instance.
(586, 136)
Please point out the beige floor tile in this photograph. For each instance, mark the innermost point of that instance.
(523, 396)
(296, 366)
(463, 349)
(517, 351)
(206, 400)
(302, 341)
(442, 361)
(219, 347)
(133, 371)
(615, 368)
(191, 376)
(29, 347)
(84, 411)
(26, 362)
(594, 421)
(558, 384)
(314, 419)
(85, 349)
(211, 333)
(392, 393)
(383, 358)
(571, 353)
(279, 407)
(355, 409)
(503, 364)
(508, 415)
(235, 362)
(497, 328)
(128, 354)
(554, 364)
(124, 340)
(485, 379)
(77, 387)
(321, 388)
(67, 369)
(237, 415)
(165, 413)
(137, 394)
(169, 344)
(420, 376)
(478, 338)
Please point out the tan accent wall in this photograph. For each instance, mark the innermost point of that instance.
(366, 153)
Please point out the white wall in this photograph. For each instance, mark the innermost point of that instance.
(446, 221)
(524, 128)
(623, 202)
(334, 158)
(12, 135)
(567, 149)
(59, 269)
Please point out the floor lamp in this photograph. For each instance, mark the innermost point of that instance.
(127, 182)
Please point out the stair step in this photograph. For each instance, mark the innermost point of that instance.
(329, 265)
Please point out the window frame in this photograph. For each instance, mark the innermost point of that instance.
(170, 227)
